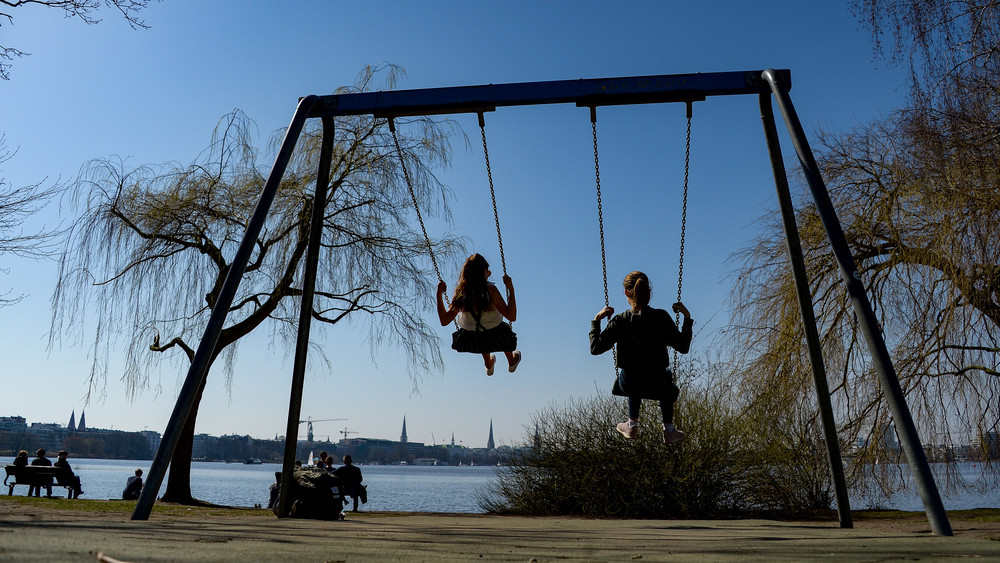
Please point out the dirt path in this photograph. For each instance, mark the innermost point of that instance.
(47, 532)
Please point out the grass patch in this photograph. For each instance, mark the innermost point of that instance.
(973, 515)
(125, 507)
(976, 515)
(885, 514)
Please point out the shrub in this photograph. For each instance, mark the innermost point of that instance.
(736, 459)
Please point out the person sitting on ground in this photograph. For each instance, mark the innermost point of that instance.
(66, 475)
(351, 477)
(133, 486)
(274, 490)
(643, 334)
(480, 309)
(41, 460)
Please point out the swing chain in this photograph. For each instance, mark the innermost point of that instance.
(600, 208)
(684, 207)
(684, 204)
(413, 196)
(600, 223)
(493, 196)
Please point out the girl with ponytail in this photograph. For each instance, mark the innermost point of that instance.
(643, 334)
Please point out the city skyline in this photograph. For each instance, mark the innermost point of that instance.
(487, 442)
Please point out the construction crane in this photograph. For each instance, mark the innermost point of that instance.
(347, 433)
(310, 420)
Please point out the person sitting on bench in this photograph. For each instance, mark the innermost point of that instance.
(66, 476)
(21, 460)
(351, 476)
(41, 460)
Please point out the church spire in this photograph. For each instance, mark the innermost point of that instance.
(72, 422)
(489, 443)
(83, 422)
(402, 437)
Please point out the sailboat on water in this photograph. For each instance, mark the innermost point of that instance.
(312, 461)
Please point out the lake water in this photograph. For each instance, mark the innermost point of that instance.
(404, 488)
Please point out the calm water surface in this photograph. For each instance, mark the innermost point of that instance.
(404, 488)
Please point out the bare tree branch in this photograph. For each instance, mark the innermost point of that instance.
(84, 10)
(17, 205)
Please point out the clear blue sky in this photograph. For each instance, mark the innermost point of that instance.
(154, 96)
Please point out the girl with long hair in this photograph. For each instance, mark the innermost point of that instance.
(480, 310)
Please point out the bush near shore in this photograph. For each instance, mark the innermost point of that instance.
(738, 459)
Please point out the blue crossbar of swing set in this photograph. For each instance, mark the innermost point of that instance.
(582, 92)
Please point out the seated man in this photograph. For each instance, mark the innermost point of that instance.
(66, 476)
(43, 461)
(351, 476)
(274, 490)
(133, 486)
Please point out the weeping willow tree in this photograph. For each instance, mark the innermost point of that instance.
(917, 195)
(147, 256)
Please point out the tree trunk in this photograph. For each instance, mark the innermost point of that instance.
(179, 478)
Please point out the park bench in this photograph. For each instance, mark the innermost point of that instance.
(38, 475)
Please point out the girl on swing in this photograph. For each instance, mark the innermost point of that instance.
(643, 334)
(480, 310)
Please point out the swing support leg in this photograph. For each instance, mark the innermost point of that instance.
(305, 318)
(806, 310)
(901, 417)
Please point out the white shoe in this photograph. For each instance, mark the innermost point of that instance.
(493, 364)
(517, 361)
(629, 432)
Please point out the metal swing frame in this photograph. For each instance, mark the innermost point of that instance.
(583, 93)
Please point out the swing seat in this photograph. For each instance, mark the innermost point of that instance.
(661, 390)
(498, 339)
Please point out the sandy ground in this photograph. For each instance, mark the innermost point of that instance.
(46, 531)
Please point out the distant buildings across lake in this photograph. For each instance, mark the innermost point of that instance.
(83, 441)
(363, 450)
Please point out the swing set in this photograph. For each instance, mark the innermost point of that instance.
(588, 93)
